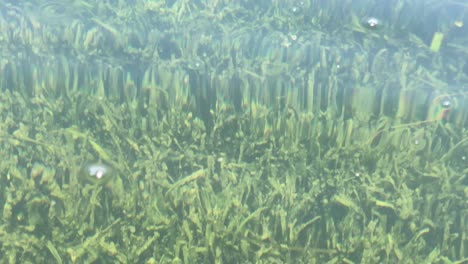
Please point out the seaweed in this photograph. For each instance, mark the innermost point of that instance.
(270, 132)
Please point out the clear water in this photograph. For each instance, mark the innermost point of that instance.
(234, 131)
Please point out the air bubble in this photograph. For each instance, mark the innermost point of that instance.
(97, 173)
(446, 103)
(372, 23)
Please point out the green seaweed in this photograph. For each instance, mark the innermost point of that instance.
(269, 132)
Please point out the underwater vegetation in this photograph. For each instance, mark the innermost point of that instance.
(267, 132)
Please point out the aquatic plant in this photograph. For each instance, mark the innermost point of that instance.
(265, 132)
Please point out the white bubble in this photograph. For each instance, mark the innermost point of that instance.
(372, 23)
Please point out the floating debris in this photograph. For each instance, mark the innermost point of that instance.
(436, 42)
